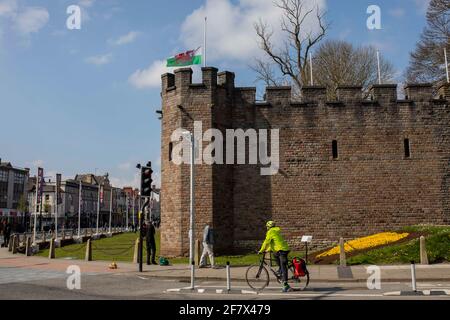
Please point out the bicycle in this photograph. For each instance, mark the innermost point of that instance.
(257, 276)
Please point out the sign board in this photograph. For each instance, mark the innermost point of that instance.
(306, 239)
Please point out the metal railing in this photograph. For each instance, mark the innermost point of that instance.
(64, 234)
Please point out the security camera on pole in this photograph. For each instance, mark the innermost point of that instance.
(146, 192)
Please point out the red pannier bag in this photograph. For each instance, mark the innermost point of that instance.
(299, 267)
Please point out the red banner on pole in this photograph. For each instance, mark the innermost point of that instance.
(40, 184)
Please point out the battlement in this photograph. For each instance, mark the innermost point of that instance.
(181, 82)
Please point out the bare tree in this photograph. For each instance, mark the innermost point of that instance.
(427, 60)
(340, 63)
(290, 59)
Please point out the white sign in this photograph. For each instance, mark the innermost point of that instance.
(306, 238)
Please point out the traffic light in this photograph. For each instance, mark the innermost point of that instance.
(146, 180)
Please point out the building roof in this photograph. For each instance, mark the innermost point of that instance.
(8, 165)
(93, 179)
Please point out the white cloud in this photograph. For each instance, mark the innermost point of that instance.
(125, 39)
(8, 8)
(100, 60)
(31, 20)
(150, 77)
(231, 33)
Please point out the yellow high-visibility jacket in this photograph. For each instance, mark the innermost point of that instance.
(274, 241)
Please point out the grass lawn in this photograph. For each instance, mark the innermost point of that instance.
(117, 248)
(437, 243)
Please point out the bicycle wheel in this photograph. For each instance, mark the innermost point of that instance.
(300, 283)
(257, 277)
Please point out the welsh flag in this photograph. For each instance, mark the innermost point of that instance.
(187, 58)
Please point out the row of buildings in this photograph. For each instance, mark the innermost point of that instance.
(98, 198)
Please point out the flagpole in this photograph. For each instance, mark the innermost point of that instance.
(204, 42)
(378, 64)
(446, 65)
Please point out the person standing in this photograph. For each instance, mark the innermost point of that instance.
(208, 247)
(151, 244)
(7, 234)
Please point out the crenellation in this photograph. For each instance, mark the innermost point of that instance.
(314, 94)
(349, 94)
(209, 76)
(383, 93)
(278, 95)
(168, 81)
(246, 94)
(419, 92)
(183, 78)
(444, 90)
(226, 79)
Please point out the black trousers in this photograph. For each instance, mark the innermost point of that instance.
(6, 240)
(281, 258)
(151, 251)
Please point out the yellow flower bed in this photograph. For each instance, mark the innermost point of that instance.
(366, 242)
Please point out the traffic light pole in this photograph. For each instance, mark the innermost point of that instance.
(146, 193)
(141, 234)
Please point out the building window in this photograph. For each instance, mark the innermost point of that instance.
(334, 147)
(407, 148)
(19, 178)
(3, 175)
(170, 151)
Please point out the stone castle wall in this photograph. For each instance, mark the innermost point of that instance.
(371, 186)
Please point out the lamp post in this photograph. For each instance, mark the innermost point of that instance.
(192, 199)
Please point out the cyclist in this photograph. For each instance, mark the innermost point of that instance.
(275, 243)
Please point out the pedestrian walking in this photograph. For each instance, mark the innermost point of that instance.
(6, 234)
(208, 247)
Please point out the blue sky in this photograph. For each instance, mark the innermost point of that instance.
(78, 101)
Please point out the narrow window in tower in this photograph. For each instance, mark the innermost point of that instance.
(335, 149)
(407, 148)
(170, 151)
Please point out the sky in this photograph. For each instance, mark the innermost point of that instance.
(84, 101)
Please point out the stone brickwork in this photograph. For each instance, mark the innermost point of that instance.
(372, 185)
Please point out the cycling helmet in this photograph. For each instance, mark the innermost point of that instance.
(270, 224)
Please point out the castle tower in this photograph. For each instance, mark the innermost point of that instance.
(184, 103)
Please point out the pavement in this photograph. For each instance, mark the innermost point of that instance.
(318, 273)
(41, 278)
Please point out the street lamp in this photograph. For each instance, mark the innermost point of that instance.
(192, 202)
